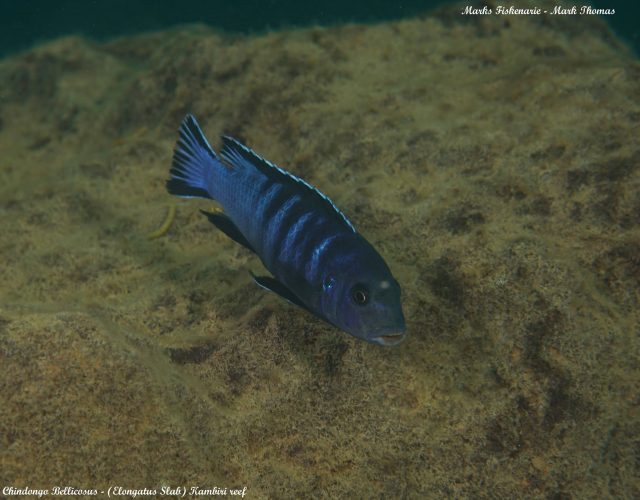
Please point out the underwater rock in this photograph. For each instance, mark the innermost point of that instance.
(494, 162)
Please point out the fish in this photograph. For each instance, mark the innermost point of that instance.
(316, 257)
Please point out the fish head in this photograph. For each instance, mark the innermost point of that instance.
(364, 300)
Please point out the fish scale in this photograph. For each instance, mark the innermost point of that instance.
(317, 258)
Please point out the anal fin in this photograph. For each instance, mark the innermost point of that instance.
(225, 225)
(273, 285)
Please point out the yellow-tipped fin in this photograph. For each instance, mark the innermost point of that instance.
(162, 230)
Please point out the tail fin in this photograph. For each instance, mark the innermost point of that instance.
(193, 161)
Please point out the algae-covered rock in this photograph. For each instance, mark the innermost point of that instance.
(493, 160)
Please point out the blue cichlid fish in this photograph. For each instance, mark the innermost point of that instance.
(318, 259)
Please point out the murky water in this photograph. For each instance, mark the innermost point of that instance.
(493, 162)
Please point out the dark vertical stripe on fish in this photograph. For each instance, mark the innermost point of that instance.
(292, 213)
(264, 197)
(287, 235)
(295, 240)
(275, 198)
(279, 223)
(318, 254)
(311, 234)
(290, 236)
(254, 224)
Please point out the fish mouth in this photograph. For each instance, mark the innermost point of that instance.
(389, 339)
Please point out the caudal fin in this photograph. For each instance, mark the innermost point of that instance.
(193, 162)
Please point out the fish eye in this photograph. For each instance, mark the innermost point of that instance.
(360, 294)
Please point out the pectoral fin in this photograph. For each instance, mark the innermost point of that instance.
(225, 225)
(273, 285)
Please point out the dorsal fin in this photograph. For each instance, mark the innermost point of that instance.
(237, 154)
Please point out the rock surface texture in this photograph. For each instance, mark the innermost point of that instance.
(493, 161)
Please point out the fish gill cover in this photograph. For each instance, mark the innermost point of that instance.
(493, 161)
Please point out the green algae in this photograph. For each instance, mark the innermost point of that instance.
(494, 163)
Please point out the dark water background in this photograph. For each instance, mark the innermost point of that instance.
(495, 166)
(28, 23)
